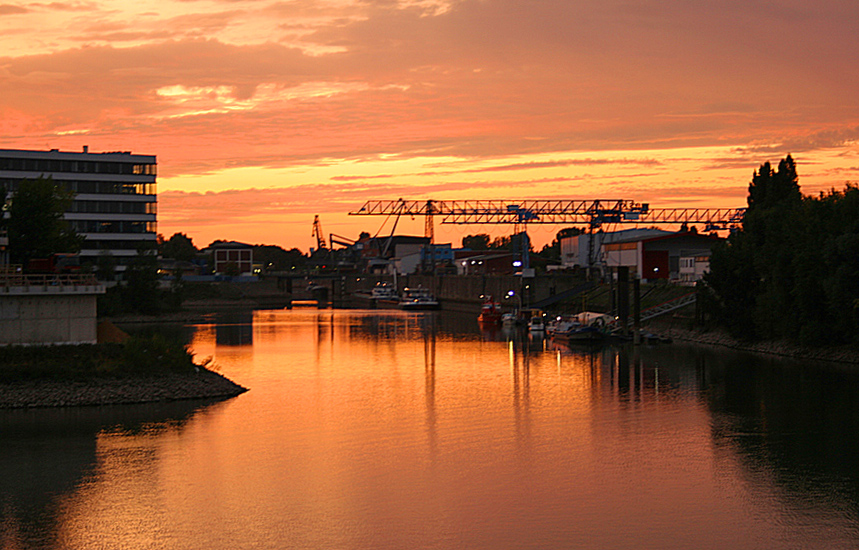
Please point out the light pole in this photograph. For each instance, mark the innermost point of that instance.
(511, 294)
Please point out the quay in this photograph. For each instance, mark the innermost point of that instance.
(48, 309)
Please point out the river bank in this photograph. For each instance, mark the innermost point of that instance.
(124, 370)
(682, 331)
(204, 384)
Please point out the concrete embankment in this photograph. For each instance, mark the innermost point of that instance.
(204, 384)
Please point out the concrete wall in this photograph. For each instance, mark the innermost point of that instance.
(463, 292)
(47, 318)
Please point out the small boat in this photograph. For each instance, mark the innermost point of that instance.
(490, 312)
(419, 298)
(536, 324)
(585, 328)
(383, 291)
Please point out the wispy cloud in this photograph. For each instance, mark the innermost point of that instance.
(512, 97)
(12, 9)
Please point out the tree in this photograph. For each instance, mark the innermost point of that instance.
(141, 292)
(36, 226)
(275, 258)
(179, 247)
(790, 272)
(501, 243)
(769, 188)
(552, 252)
(476, 242)
(105, 266)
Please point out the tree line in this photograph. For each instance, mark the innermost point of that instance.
(791, 271)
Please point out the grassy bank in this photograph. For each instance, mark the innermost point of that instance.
(138, 356)
(141, 370)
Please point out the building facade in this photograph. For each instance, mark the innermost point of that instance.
(660, 257)
(586, 250)
(115, 197)
(693, 267)
(232, 255)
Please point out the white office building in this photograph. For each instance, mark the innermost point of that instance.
(115, 196)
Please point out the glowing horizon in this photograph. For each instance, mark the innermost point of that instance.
(263, 114)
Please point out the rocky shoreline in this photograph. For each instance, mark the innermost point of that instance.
(204, 384)
(715, 337)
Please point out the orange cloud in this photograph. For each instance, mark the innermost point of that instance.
(664, 99)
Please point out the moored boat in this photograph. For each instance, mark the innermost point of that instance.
(490, 312)
(418, 298)
(509, 319)
(536, 324)
(585, 328)
(383, 291)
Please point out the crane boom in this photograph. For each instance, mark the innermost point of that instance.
(317, 232)
(591, 212)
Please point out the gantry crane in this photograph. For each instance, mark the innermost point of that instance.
(592, 213)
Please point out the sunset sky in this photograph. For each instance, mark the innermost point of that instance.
(265, 113)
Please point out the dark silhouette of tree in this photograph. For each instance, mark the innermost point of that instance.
(790, 272)
(140, 291)
(105, 266)
(476, 242)
(275, 258)
(552, 251)
(3, 207)
(770, 188)
(179, 247)
(502, 243)
(36, 227)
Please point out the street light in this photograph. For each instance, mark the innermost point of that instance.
(511, 294)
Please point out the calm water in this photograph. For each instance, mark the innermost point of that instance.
(377, 430)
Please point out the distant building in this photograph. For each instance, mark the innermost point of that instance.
(226, 254)
(428, 258)
(585, 250)
(693, 267)
(173, 268)
(379, 254)
(659, 257)
(115, 196)
(486, 262)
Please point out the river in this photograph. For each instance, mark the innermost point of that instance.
(392, 430)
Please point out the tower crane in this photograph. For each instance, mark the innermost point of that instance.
(317, 232)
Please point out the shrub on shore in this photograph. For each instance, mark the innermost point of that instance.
(138, 356)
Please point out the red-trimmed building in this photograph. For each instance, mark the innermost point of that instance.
(658, 257)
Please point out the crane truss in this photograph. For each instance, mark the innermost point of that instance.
(590, 212)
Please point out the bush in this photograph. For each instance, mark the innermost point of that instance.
(138, 356)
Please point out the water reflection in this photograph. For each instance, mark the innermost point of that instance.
(47, 455)
(420, 430)
(792, 426)
(234, 328)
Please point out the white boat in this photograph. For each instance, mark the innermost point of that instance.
(418, 298)
(536, 324)
(383, 291)
(508, 319)
(585, 328)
